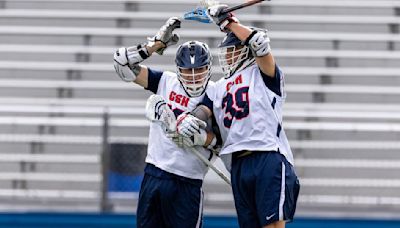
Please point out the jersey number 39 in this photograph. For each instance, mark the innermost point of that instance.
(236, 105)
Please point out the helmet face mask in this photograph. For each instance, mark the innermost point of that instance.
(193, 67)
(233, 55)
(194, 80)
(231, 58)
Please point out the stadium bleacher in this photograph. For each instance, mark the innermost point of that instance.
(341, 60)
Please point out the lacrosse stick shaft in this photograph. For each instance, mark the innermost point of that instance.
(209, 164)
(200, 14)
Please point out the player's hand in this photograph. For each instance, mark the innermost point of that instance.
(157, 110)
(198, 139)
(166, 35)
(187, 125)
(220, 18)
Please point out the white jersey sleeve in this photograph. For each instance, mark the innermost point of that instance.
(163, 152)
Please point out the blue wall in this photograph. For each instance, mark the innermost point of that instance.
(88, 220)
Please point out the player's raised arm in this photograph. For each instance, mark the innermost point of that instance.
(256, 39)
(127, 60)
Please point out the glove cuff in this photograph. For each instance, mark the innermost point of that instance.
(137, 54)
(212, 144)
(226, 22)
(246, 42)
(258, 42)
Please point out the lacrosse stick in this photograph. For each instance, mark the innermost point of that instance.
(200, 14)
(158, 111)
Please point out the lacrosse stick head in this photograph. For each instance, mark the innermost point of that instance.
(200, 13)
(157, 110)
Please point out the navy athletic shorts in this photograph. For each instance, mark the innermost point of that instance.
(169, 200)
(265, 188)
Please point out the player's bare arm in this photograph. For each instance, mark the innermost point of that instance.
(127, 61)
(256, 40)
(203, 113)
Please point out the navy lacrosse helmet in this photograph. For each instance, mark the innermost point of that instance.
(233, 55)
(193, 61)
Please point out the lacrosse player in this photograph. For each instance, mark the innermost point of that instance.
(171, 192)
(247, 104)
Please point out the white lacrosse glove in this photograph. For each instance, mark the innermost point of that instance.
(166, 35)
(176, 138)
(157, 110)
(220, 18)
(187, 124)
(258, 42)
(126, 61)
(198, 139)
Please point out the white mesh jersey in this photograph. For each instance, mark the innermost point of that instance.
(162, 151)
(248, 111)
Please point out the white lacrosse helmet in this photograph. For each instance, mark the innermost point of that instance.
(193, 62)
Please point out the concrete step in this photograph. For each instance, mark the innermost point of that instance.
(341, 191)
(349, 172)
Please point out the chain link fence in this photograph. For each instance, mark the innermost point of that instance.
(126, 167)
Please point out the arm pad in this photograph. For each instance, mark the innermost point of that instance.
(126, 61)
(136, 54)
(126, 73)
